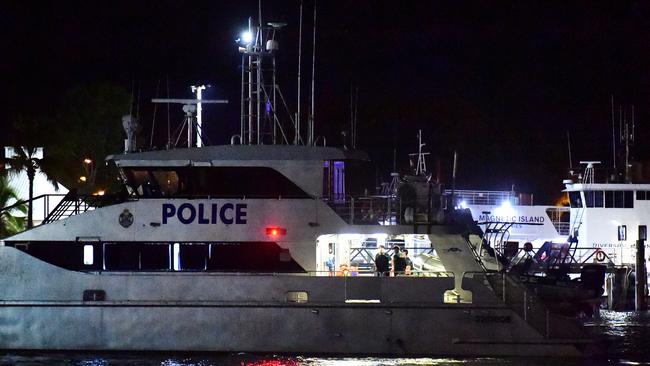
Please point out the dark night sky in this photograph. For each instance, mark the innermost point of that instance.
(501, 82)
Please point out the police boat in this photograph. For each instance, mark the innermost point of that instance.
(226, 249)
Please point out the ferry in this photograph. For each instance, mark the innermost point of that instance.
(596, 219)
(230, 249)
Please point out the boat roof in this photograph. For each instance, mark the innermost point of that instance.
(607, 187)
(206, 155)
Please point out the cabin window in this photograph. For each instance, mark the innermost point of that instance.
(622, 233)
(154, 257)
(629, 199)
(589, 198)
(136, 256)
(194, 257)
(121, 257)
(167, 180)
(251, 182)
(609, 199)
(88, 255)
(594, 198)
(334, 180)
(575, 200)
(177, 256)
(264, 257)
(642, 195)
(599, 200)
(619, 199)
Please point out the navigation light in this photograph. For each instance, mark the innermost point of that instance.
(276, 231)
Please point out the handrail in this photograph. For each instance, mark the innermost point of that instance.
(19, 203)
(517, 297)
(364, 274)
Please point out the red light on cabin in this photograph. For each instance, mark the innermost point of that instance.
(276, 231)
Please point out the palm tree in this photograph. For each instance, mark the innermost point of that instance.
(25, 158)
(10, 224)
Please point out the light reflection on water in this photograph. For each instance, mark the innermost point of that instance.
(627, 336)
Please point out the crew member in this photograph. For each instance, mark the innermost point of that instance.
(382, 268)
(399, 262)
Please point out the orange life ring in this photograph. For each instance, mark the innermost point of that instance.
(600, 256)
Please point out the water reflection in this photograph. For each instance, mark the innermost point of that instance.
(627, 337)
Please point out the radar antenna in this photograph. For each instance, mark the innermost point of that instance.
(421, 165)
(189, 108)
(588, 178)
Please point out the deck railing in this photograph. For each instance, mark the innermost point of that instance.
(527, 305)
(367, 210)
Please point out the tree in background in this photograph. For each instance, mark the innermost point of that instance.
(76, 137)
(26, 159)
(10, 224)
(89, 127)
(28, 136)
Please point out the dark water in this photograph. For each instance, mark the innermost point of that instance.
(626, 337)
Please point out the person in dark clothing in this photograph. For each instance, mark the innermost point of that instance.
(399, 262)
(409, 263)
(382, 268)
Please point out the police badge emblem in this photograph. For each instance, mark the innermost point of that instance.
(126, 218)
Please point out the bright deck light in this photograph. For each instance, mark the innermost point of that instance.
(505, 209)
(247, 37)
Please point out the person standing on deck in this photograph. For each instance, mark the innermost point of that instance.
(329, 263)
(382, 268)
(399, 262)
(409, 264)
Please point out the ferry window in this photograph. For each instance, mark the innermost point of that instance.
(629, 199)
(622, 233)
(334, 180)
(598, 199)
(619, 199)
(88, 255)
(594, 198)
(609, 199)
(589, 198)
(640, 195)
(574, 199)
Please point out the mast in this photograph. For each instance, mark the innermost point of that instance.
(568, 139)
(258, 47)
(613, 135)
(297, 134)
(313, 73)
